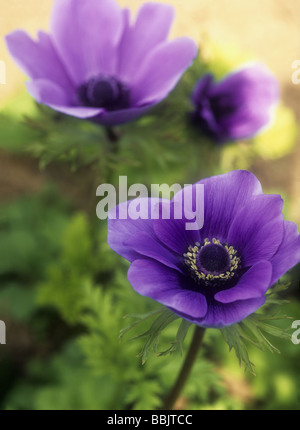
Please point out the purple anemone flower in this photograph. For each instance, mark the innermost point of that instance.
(97, 64)
(239, 106)
(216, 276)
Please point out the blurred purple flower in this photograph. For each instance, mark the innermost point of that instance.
(239, 106)
(218, 275)
(97, 64)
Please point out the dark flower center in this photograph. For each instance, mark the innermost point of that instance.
(104, 92)
(223, 106)
(212, 261)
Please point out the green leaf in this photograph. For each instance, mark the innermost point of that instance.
(252, 330)
(139, 318)
(233, 338)
(152, 335)
(180, 337)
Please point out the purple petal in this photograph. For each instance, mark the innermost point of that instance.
(172, 232)
(38, 59)
(86, 36)
(252, 285)
(220, 315)
(54, 96)
(152, 279)
(224, 195)
(204, 114)
(78, 111)
(288, 254)
(255, 92)
(147, 245)
(152, 27)
(252, 83)
(161, 70)
(47, 92)
(257, 229)
(202, 87)
(121, 228)
(121, 116)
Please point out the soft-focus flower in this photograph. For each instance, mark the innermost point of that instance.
(218, 275)
(96, 63)
(239, 106)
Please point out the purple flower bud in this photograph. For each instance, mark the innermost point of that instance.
(218, 275)
(239, 106)
(97, 64)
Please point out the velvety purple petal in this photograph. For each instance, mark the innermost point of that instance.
(239, 106)
(147, 245)
(257, 229)
(47, 92)
(121, 228)
(288, 254)
(204, 114)
(152, 279)
(111, 118)
(54, 96)
(209, 123)
(86, 36)
(78, 111)
(250, 83)
(173, 232)
(57, 98)
(253, 284)
(151, 27)
(252, 92)
(38, 59)
(161, 70)
(255, 74)
(224, 195)
(202, 88)
(220, 315)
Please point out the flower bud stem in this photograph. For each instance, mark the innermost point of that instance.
(112, 135)
(186, 368)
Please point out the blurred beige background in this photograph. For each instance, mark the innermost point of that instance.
(268, 28)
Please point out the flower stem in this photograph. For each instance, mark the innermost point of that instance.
(112, 135)
(186, 368)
